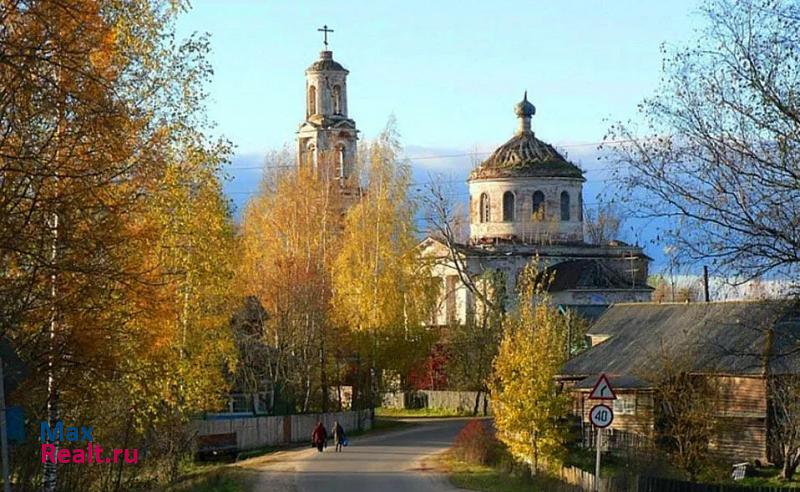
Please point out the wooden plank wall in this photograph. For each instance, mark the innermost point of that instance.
(742, 418)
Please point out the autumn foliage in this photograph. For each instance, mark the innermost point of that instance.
(476, 443)
(115, 238)
(529, 410)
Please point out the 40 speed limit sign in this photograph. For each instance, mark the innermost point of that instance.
(601, 416)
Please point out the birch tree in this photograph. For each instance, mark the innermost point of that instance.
(529, 410)
(382, 293)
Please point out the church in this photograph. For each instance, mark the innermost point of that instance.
(526, 202)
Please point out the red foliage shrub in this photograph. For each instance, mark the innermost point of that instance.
(476, 443)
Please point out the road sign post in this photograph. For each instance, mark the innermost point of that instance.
(597, 459)
(600, 416)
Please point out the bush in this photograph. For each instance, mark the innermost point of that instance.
(476, 443)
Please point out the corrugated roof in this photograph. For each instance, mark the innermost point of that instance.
(617, 382)
(719, 337)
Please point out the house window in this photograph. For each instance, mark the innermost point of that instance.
(564, 206)
(508, 207)
(537, 207)
(625, 405)
(484, 208)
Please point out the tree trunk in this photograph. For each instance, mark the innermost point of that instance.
(790, 462)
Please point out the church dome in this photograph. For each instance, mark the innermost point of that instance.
(326, 63)
(524, 108)
(524, 155)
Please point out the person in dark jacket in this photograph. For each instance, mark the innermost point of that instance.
(338, 437)
(319, 436)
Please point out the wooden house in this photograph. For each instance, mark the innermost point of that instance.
(734, 348)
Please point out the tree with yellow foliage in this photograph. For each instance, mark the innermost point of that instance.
(381, 292)
(114, 233)
(528, 409)
(288, 241)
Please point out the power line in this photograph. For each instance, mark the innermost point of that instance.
(425, 183)
(450, 156)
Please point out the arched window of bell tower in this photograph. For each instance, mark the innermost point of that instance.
(312, 100)
(337, 99)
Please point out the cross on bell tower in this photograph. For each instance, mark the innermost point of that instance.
(324, 29)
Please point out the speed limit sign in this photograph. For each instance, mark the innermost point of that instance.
(601, 416)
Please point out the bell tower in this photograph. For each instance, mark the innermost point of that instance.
(327, 139)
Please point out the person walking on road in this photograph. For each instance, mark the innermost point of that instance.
(319, 437)
(339, 437)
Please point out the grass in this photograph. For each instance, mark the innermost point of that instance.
(418, 412)
(215, 478)
(768, 477)
(487, 478)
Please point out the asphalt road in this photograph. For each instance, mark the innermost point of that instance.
(391, 462)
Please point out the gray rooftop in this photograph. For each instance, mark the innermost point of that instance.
(718, 337)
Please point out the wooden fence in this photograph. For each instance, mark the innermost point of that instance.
(651, 484)
(577, 480)
(457, 401)
(615, 439)
(580, 480)
(255, 432)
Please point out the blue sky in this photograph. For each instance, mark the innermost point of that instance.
(450, 71)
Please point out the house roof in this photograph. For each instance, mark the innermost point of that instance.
(617, 383)
(718, 337)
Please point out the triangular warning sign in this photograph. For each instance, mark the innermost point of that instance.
(602, 390)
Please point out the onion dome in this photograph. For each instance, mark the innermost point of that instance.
(326, 63)
(524, 155)
(524, 109)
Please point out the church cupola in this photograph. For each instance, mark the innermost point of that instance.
(327, 139)
(526, 191)
(524, 111)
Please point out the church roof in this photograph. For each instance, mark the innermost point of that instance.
(326, 63)
(586, 274)
(524, 155)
